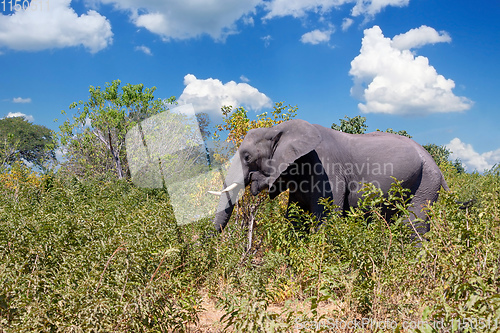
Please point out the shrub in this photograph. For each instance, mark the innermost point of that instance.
(107, 256)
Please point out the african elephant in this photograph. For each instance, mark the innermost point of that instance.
(313, 161)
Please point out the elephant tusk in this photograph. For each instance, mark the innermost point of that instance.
(227, 189)
(230, 187)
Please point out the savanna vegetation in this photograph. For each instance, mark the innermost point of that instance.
(82, 249)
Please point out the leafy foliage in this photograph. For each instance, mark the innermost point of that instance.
(401, 132)
(357, 125)
(440, 153)
(236, 124)
(106, 256)
(102, 122)
(21, 140)
(441, 156)
(91, 255)
(84, 158)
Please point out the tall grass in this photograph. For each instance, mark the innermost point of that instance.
(108, 257)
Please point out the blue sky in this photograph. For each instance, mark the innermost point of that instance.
(429, 67)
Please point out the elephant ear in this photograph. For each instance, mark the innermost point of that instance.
(291, 139)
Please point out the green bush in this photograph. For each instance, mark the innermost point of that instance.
(92, 256)
(82, 256)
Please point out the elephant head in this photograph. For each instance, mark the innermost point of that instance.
(263, 156)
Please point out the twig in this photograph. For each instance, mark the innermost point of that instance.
(107, 264)
(32, 271)
(125, 284)
(159, 265)
(390, 234)
(414, 229)
(170, 271)
(467, 223)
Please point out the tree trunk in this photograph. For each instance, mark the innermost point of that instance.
(116, 157)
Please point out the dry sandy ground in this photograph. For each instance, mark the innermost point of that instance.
(209, 318)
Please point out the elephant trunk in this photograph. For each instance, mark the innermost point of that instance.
(234, 182)
(222, 216)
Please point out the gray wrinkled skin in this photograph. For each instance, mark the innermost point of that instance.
(313, 161)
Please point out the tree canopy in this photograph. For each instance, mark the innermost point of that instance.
(441, 155)
(20, 140)
(96, 134)
(357, 125)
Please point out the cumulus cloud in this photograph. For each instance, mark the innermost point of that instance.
(244, 78)
(316, 36)
(472, 159)
(21, 100)
(183, 19)
(418, 37)
(211, 94)
(58, 27)
(142, 48)
(300, 8)
(395, 81)
(19, 114)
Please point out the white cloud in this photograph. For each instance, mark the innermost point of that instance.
(144, 49)
(21, 100)
(211, 94)
(183, 19)
(370, 8)
(57, 27)
(472, 159)
(299, 8)
(346, 23)
(316, 36)
(244, 78)
(395, 81)
(19, 114)
(248, 20)
(419, 37)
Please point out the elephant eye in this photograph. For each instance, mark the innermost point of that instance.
(247, 158)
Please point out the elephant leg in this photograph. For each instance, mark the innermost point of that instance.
(306, 207)
(418, 221)
(426, 193)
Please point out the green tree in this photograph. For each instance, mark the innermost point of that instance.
(102, 122)
(84, 156)
(8, 149)
(402, 132)
(20, 140)
(356, 125)
(441, 156)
